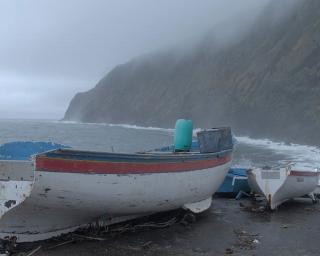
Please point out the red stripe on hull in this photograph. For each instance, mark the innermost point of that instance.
(303, 173)
(94, 167)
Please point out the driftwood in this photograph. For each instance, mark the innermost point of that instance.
(89, 237)
(101, 232)
(34, 251)
(61, 244)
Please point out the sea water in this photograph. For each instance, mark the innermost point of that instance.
(129, 138)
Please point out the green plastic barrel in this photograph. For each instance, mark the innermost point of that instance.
(183, 135)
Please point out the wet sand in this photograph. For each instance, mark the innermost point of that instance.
(230, 227)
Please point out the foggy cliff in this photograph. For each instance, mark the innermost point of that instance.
(261, 77)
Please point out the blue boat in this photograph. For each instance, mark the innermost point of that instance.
(235, 182)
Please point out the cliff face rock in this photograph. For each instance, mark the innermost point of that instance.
(264, 84)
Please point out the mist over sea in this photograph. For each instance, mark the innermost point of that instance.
(127, 138)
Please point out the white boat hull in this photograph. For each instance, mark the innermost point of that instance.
(281, 185)
(317, 190)
(50, 203)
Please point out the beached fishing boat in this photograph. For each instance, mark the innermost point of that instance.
(62, 190)
(280, 185)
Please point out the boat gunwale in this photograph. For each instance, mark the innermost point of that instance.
(292, 172)
(303, 173)
(78, 155)
(129, 165)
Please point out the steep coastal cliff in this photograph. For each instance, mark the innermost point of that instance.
(266, 83)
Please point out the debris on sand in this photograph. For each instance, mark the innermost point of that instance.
(61, 244)
(256, 241)
(284, 226)
(253, 207)
(310, 209)
(242, 205)
(217, 212)
(261, 208)
(188, 218)
(145, 246)
(7, 246)
(33, 252)
(103, 233)
(228, 251)
(197, 250)
(245, 240)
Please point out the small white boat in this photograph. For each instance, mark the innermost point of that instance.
(280, 185)
(316, 192)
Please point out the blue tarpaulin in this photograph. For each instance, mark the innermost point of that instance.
(23, 150)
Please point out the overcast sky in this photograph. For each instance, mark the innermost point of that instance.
(52, 49)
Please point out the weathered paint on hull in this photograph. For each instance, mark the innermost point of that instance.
(61, 202)
(281, 185)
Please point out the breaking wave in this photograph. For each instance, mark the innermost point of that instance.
(127, 126)
(304, 154)
(150, 128)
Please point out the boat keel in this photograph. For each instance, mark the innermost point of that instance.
(200, 206)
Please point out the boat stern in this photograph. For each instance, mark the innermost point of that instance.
(16, 182)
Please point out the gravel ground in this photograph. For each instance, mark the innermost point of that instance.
(229, 227)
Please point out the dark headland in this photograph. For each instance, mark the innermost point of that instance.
(264, 82)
